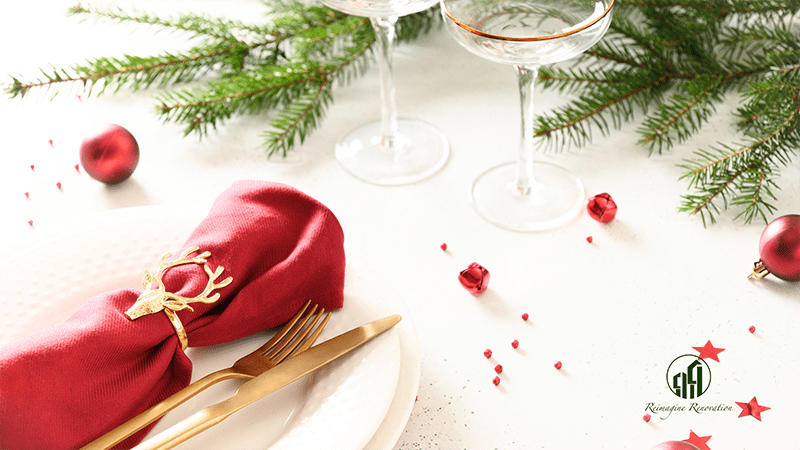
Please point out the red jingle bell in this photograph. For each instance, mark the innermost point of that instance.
(111, 155)
(602, 208)
(675, 445)
(779, 248)
(475, 278)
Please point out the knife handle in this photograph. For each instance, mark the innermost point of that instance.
(189, 427)
(149, 416)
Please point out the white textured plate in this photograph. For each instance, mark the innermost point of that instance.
(340, 406)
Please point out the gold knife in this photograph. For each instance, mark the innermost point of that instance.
(268, 382)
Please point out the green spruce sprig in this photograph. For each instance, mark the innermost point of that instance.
(286, 65)
(673, 62)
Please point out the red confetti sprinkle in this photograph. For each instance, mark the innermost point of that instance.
(58, 185)
(77, 167)
(487, 353)
(28, 195)
(557, 365)
(515, 343)
(443, 246)
(498, 368)
(589, 239)
(51, 142)
(525, 316)
(496, 381)
(32, 168)
(646, 417)
(30, 222)
(752, 329)
(79, 98)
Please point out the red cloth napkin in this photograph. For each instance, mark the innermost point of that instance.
(65, 386)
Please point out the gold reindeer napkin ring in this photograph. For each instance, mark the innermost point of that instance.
(155, 298)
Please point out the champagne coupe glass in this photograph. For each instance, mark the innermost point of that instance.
(527, 195)
(391, 151)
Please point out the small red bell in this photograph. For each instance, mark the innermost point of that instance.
(475, 278)
(602, 208)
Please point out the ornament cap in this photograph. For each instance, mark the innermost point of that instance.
(759, 270)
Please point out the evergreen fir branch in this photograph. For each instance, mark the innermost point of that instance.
(135, 72)
(572, 124)
(307, 110)
(298, 118)
(684, 113)
(195, 24)
(248, 93)
(747, 173)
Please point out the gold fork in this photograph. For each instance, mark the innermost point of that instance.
(296, 336)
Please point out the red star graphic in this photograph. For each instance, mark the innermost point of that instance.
(752, 408)
(697, 441)
(709, 351)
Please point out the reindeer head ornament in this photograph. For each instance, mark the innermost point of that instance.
(155, 298)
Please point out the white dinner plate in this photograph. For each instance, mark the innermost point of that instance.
(360, 401)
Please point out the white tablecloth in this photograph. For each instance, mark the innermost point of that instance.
(616, 312)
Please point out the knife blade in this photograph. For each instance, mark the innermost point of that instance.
(270, 381)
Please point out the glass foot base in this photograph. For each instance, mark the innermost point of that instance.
(556, 199)
(419, 150)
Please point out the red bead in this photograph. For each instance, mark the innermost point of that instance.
(752, 329)
(28, 195)
(110, 156)
(475, 278)
(779, 247)
(51, 142)
(498, 368)
(443, 246)
(525, 316)
(496, 380)
(487, 353)
(30, 223)
(557, 365)
(515, 343)
(32, 168)
(602, 208)
(646, 417)
(589, 239)
(58, 185)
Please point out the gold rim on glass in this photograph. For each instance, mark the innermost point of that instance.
(525, 39)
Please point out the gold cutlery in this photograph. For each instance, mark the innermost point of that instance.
(268, 382)
(298, 335)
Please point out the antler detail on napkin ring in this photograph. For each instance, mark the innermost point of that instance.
(155, 299)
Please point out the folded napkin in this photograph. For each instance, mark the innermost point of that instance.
(65, 386)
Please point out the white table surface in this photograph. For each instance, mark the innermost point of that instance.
(652, 285)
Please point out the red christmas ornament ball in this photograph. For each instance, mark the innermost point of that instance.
(779, 248)
(111, 155)
(602, 208)
(675, 445)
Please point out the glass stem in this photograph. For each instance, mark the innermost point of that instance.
(525, 183)
(384, 36)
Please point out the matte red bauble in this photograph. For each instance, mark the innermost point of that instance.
(779, 248)
(675, 445)
(602, 208)
(111, 155)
